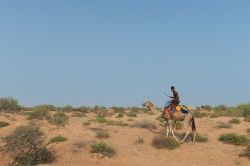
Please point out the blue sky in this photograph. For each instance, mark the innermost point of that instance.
(125, 52)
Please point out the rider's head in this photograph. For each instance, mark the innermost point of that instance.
(172, 88)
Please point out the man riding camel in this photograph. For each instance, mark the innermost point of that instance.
(175, 98)
(174, 102)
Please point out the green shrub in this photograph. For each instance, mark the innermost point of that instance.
(234, 139)
(234, 121)
(161, 142)
(225, 125)
(3, 124)
(110, 122)
(131, 114)
(102, 133)
(60, 118)
(248, 130)
(26, 145)
(103, 149)
(8, 105)
(58, 138)
(100, 119)
(39, 114)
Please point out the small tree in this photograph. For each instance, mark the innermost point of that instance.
(8, 104)
(26, 145)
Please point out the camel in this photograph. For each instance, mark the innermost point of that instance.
(171, 118)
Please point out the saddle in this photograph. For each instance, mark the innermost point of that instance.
(182, 108)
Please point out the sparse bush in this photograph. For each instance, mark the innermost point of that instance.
(118, 109)
(110, 122)
(103, 149)
(26, 145)
(245, 109)
(130, 119)
(179, 125)
(120, 123)
(234, 139)
(58, 138)
(8, 105)
(225, 125)
(40, 114)
(139, 140)
(199, 138)
(102, 133)
(206, 107)
(246, 152)
(60, 118)
(84, 109)
(77, 146)
(214, 115)
(248, 130)
(120, 115)
(78, 114)
(86, 123)
(67, 108)
(3, 124)
(131, 114)
(145, 124)
(234, 121)
(198, 114)
(100, 119)
(161, 142)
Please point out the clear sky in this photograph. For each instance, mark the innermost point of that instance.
(124, 52)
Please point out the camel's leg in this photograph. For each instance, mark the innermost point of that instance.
(171, 129)
(167, 126)
(186, 126)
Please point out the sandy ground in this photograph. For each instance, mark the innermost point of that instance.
(122, 139)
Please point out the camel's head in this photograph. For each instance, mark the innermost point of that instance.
(147, 104)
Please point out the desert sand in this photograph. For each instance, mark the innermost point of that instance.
(122, 139)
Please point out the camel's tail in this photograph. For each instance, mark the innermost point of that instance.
(193, 125)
